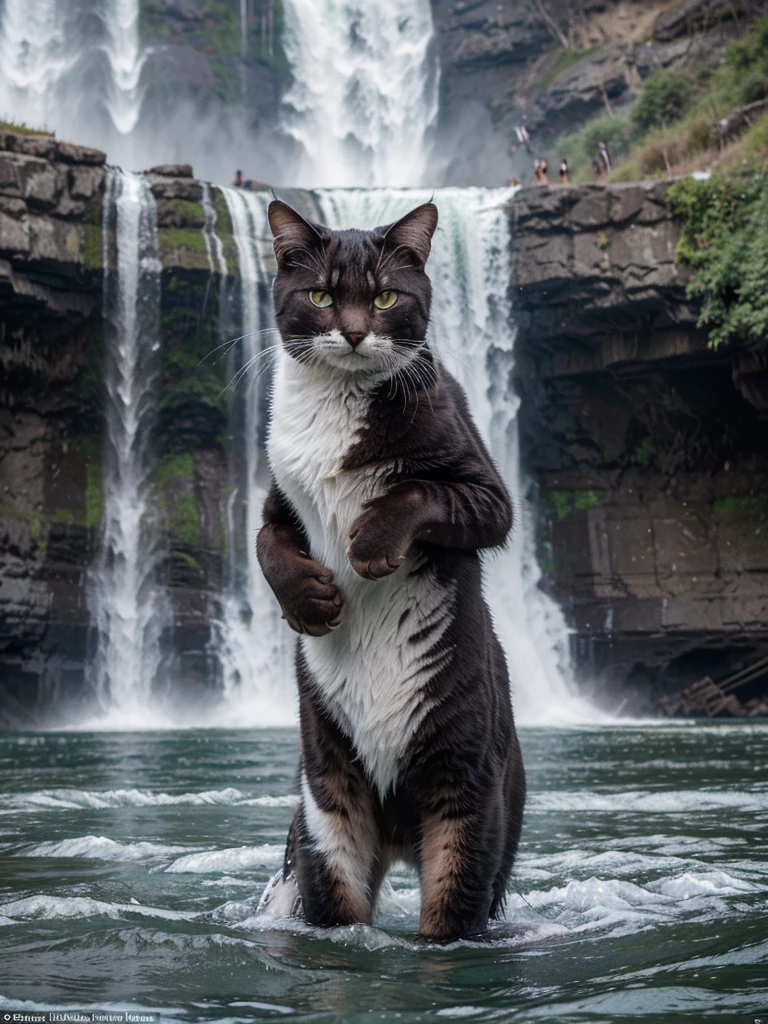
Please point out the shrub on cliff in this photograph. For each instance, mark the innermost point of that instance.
(664, 98)
(725, 242)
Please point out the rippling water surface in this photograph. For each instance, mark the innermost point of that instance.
(131, 867)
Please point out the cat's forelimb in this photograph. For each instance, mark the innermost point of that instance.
(461, 515)
(310, 601)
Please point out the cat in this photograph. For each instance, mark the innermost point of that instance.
(382, 495)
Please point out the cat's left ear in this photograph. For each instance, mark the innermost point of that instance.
(291, 231)
(414, 231)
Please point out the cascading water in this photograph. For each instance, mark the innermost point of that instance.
(54, 76)
(365, 91)
(129, 608)
(250, 640)
(33, 58)
(126, 60)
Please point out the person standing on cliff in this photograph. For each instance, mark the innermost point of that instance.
(238, 182)
(564, 172)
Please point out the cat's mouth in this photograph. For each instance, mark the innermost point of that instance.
(372, 354)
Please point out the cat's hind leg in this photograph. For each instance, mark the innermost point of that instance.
(460, 858)
(335, 851)
(336, 841)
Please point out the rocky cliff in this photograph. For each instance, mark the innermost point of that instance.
(558, 65)
(648, 447)
(52, 252)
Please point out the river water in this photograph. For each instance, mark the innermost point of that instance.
(132, 865)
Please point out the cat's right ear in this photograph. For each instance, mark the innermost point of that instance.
(292, 233)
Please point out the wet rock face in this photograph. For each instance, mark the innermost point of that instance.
(52, 352)
(648, 447)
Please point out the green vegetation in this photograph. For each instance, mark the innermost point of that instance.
(191, 370)
(177, 467)
(185, 525)
(93, 247)
(174, 483)
(190, 562)
(23, 129)
(580, 147)
(566, 502)
(183, 247)
(189, 212)
(664, 97)
(725, 242)
(669, 128)
(94, 495)
(566, 59)
(752, 507)
(749, 509)
(645, 452)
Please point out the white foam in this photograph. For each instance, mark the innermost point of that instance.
(47, 908)
(708, 883)
(70, 799)
(233, 859)
(290, 800)
(641, 801)
(102, 848)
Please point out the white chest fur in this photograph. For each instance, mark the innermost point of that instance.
(370, 673)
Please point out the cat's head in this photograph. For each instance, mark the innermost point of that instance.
(353, 302)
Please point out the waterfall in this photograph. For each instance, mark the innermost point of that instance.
(250, 640)
(33, 59)
(130, 610)
(126, 60)
(52, 76)
(365, 91)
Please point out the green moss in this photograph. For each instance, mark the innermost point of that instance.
(565, 60)
(94, 495)
(750, 507)
(183, 247)
(645, 452)
(62, 515)
(95, 212)
(22, 129)
(566, 502)
(37, 524)
(189, 212)
(185, 525)
(93, 246)
(189, 561)
(177, 467)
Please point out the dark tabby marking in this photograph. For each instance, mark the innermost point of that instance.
(383, 494)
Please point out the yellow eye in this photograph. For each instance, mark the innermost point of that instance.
(386, 300)
(321, 299)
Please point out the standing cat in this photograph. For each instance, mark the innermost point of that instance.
(382, 496)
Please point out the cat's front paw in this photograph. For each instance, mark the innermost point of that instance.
(314, 605)
(378, 543)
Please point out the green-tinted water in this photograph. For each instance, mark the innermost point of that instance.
(131, 867)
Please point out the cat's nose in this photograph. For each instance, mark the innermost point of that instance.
(354, 337)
